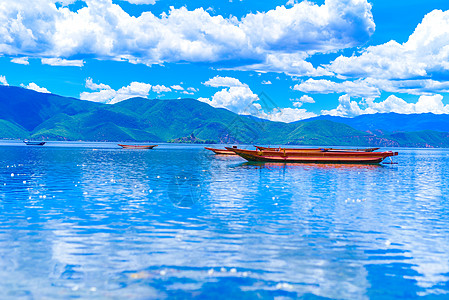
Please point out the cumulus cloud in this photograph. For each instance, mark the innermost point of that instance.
(238, 99)
(3, 80)
(346, 108)
(293, 64)
(62, 62)
(20, 60)
(151, 2)
(287, 115)
(308, 27)
(105, 94)
(266, 82)
(236, 96)
(241, 100)
(35, 87)
(160, 89)
(306, 99)
(372, 87)
(219, 81)
(425, 104)
(103, 30)
(357, 88)
(424, 55)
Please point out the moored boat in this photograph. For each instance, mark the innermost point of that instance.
(137, 146)
(221, 151)
(315, 149)
(34, 143)
(338, 156)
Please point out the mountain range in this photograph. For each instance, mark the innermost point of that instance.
(26, 114)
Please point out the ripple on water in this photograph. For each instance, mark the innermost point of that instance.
(107, 223)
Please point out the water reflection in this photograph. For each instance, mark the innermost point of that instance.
(96, 222)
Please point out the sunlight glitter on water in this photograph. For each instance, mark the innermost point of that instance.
(96, 221)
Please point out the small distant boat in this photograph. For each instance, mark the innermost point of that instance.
(338, 156)
(222, 151)
(34, 143)
(137, 146)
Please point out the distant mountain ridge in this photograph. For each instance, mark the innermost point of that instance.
(393, 122)
(29, 114)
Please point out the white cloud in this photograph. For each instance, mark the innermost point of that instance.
(62, 62)
(94, 86)
(160, 89)
(20, 60)
(238, 99)
(151, 2)
(266, 82)
(66, 2)
(425, 54)
(357, 88)
(372, 87)
(306, 99)
(177, 87)
(35, 87)
(293, 64)
(241, 100)
(219, 81)
(346, 108)
(425, 104)
(291, 2)
(103, 30)
(105, 94)
(287, 115)
(236, 96)
(308, 27)
(3, 80)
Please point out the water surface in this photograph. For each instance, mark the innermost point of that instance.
(93, 221)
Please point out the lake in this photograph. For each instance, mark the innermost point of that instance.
(93, 221)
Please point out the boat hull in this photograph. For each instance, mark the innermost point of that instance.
(260, 148)
(137, 146)
(220, 151)
(324, 156)
(30, 143)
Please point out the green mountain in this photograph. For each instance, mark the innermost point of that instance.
(29, 114)
(393, 122)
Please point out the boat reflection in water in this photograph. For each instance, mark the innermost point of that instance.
(305, 166)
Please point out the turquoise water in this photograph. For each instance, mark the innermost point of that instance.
(92, 221)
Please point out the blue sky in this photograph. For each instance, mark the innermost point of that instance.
(280, 60)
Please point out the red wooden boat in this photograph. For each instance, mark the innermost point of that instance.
(315, 149)
(339, 156)
(137, 146)
(221, 151)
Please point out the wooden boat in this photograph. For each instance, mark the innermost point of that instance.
(34, 143)
(137, 146)
(221, 151)
(315, 149)
(339, 156)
